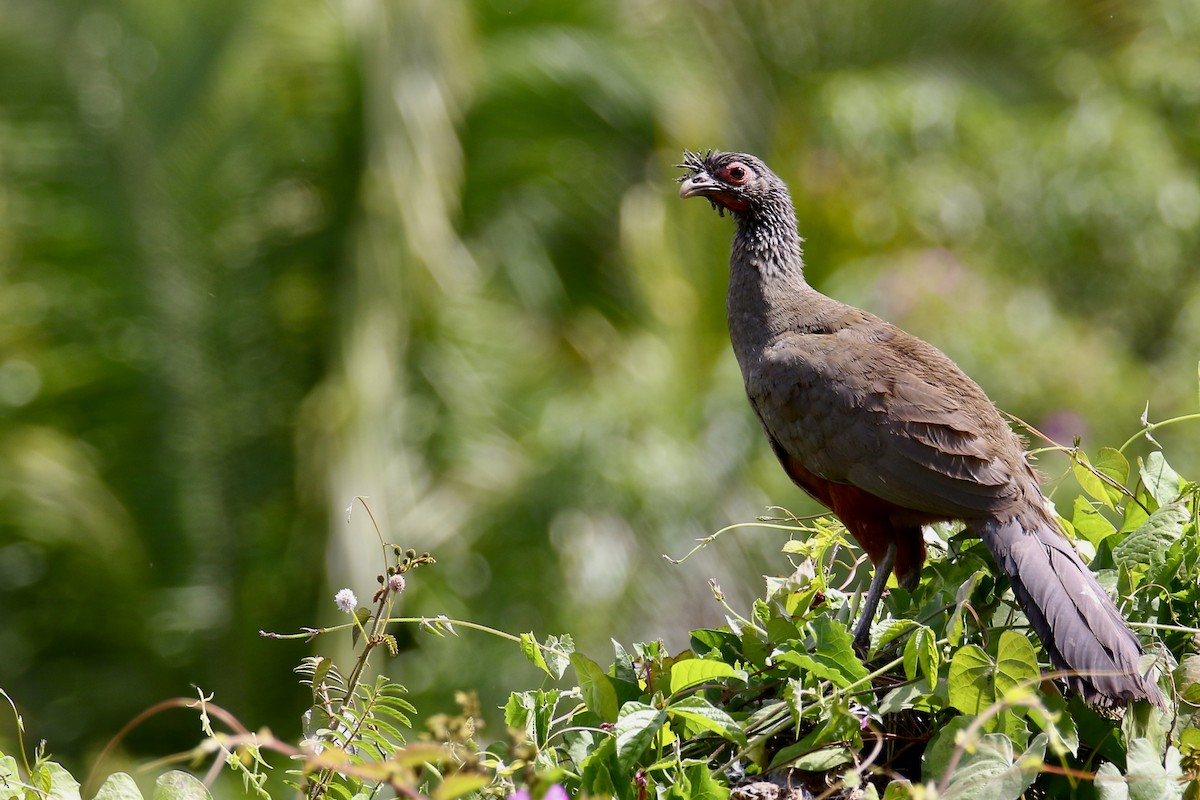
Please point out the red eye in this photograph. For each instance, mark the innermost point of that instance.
(737, 173)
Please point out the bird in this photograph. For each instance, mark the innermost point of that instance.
(887, 432)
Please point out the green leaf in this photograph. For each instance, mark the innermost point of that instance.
(603, 776)
(832, 658)
(798, 603)
(1113, 464)
(970, 683)
(1147, 776)
(700, 712)
(922, 656)
(1149, 546)
(636, 728)
(531, 712)
(1189, 742)
(780, 629)
(599, 694)
(892, 629)
(986, 768)
(1017, 672)
(1091, 483)
(1163, 483)
(176, 785)
(695, 671)
(1135, 511)
(119, 786)
(705, 640)
(459, 784)
(701, 785)
(836, 725)
(517, 710)
(558, 654)
(1090, 523)
(989, 771)
(898, 790)
(529, 646)
(936, 758)
(903, 697)
(1110, 783)
(956, 626)
(761, 612)
(60, 783)
(1187, 678)
(822, 760)
(1057, 722)
(10, 776)
(363, 615)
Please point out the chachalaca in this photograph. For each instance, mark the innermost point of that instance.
(888, 433)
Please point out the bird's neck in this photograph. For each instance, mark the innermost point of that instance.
(767, 248)
(768, 296)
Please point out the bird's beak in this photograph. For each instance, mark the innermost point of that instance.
(699, 184)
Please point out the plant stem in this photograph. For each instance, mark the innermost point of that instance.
(1150, 427)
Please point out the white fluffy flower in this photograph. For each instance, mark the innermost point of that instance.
(345, 600)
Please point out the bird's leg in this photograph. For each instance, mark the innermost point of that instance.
(862, 631)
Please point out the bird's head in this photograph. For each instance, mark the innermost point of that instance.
(738, 182)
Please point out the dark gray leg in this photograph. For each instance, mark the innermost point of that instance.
(862, 631)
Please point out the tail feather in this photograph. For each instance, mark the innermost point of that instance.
(1080, 627)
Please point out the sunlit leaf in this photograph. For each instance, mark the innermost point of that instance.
(822, 760)
(636, 728)
(118, 786)
(1163, 483)
(459, 784)
(1148, 776)
(695, 671)
(834, 652)
(1017, 672)
(1091, 483)
(177, 785)
(1090, 523)
(557, 654)
(599, 694)
(529, 646)
(891, 629)
(1059, 725)
(962, 596)
(922, 657)
(700, 712)
(971, 680)
(1111, 463)
(1149, 546)
(1187, 678)
(701, 785)
(54, 782)
(987, 767)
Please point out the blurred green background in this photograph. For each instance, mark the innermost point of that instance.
(257, 258)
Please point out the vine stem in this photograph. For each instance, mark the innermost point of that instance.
(427, 622)
(1151, 427)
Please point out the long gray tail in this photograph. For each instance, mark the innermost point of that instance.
(1081, 629)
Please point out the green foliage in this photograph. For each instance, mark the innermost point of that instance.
(49, 781)
(954, 685)
(255, 256)
(954, 700)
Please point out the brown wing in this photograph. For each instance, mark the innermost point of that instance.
(869, 405)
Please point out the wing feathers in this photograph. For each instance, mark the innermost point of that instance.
(890, 415)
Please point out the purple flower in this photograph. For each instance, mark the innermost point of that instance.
(396, 583)
(555, 792)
